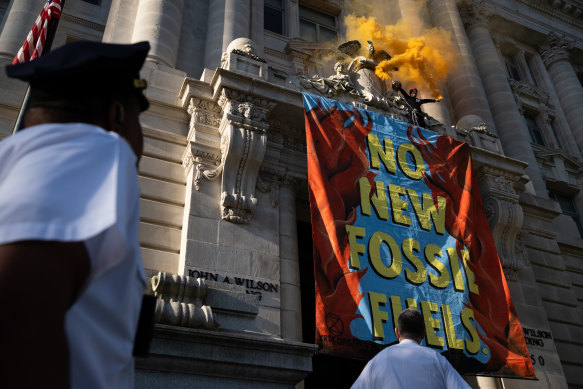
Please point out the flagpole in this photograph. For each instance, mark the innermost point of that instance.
(52, 30)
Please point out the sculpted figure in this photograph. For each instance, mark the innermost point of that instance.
(334, 85)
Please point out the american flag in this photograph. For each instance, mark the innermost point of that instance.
(35, 41)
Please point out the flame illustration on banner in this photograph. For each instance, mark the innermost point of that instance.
(452, 177)
(336, 161)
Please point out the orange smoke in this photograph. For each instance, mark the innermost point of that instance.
(423, 60)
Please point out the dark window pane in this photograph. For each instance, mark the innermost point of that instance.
(555, 134)
(273, 20)
(532, 76)
(536, 136)
(318, 17)
(535, 132)
(274, 3)
(327, 35)
(308, 31)
(577, 221)
(567, 205)
(569, 209)
(512, 68)
(96, 2)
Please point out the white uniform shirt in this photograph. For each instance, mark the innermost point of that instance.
(78, 182)
(409, 365)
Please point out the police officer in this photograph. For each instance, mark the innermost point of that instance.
(71, 275)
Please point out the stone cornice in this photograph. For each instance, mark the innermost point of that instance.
(541, 23)
(83, 22)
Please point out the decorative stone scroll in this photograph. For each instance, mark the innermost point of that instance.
(243, 141)
(180, 301)
(504, 215)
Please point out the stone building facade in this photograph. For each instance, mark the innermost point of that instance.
(225, 217)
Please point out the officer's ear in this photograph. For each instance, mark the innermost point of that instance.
(116, 117)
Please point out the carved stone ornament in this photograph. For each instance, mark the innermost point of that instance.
(180, 302)
(504, 215)
(202, 152)
(556, 48)
(474, 13)
(243, 141)
(521, 88)
(203, 113)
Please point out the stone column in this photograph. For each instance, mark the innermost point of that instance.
(120, 21)
(510, 124)
(160, 22)
(555, 55)
(192, 38)
(257, 33)
(214, 35)
(565, 136)
(465, 90)
(236, 21)
(291, 304)
(19, 18)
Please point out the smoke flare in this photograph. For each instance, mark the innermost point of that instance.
(423, 60)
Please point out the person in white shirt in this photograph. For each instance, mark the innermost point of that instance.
(71, 274)
(408, 364)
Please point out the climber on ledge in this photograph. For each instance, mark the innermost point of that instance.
(414, 104)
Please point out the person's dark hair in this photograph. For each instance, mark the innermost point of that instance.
(410, 324)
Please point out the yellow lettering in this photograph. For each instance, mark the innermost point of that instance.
(418, 276)
(431, 324)
(376, 300)
(398, 205)
(378, 199)
(374, 251)
(456, 273)
(411, 303)
(402, 151)
(452, 341)
(377, 154)
(396, 308)
(428, 211)
(441, 281)
(473, 344)
(469, 273)
(355, 247)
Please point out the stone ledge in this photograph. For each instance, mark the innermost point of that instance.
(220, 355)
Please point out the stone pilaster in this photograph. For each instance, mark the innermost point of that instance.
(291, 304)
(160, 22)
(465, 91)
(20, 17)
(555, 55)
(511, 126)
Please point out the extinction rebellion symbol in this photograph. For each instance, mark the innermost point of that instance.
(334, 324)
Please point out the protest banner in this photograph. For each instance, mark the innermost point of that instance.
(398, 222)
